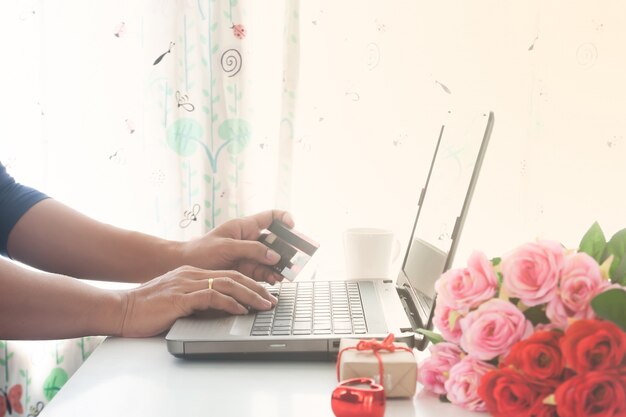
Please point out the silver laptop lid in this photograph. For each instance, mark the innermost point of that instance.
(442, 209)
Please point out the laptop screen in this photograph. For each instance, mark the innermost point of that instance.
(444, 203)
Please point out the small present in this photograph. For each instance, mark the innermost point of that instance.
(389, 361)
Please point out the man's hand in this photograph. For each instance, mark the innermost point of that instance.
(153, 307)
(234, 245)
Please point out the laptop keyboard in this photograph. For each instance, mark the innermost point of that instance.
(312, 308)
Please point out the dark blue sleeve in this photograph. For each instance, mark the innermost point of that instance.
(15, 200)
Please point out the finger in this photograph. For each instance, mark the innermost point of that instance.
(242, 293)
(259, 272)
(265, 218)
(253, 251)
(206, 299)
(252, 225)
(247, 282)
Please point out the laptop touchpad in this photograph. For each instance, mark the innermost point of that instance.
(242, 325)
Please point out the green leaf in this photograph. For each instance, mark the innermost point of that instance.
(536, 315)
(611, 305)
(432, 336)
(183, 136)
(500, 279)
(207, 203)
(208, 178)
(51, 386)
(22, 373)
(10, 355)
(617, 247)
(593, 243)
(2, 344)
(452, 318)
(238, 132)
(218, 212)
(496, 261)
(214, 50)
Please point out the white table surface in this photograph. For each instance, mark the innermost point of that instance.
(138, 377)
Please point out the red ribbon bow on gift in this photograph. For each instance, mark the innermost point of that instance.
(375, 346)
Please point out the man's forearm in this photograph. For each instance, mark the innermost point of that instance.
(56, 238)
(37, 305)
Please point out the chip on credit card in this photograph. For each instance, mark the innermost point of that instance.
(294, 248)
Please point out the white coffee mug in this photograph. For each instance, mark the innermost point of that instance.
(369, 252)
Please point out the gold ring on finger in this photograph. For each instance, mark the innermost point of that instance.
(210, 283)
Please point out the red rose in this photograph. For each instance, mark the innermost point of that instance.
(540, 409)
(593, 345)
(538, 357)
(507, 393)
(596, 393)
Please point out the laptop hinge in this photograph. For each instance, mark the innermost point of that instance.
(409, 308)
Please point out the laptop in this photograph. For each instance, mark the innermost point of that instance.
(312, 316)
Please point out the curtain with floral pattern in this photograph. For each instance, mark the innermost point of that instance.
(167, 117)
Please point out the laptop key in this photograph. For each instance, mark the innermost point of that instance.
(342, 325)
(265, 319)
(300, 325)
(261, 328)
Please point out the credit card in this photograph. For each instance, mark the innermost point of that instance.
(294, 248)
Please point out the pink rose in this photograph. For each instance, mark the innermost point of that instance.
(492, 329)
(560, 315)
(434, 371)
(580, 281)
(463, 382)
(466, 288)
(446, 320)
(531, 272)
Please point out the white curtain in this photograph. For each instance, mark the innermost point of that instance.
(162, 116)
(168, 117)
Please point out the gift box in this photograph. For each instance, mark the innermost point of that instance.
(371, 359)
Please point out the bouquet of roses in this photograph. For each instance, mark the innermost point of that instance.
(538, 332)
